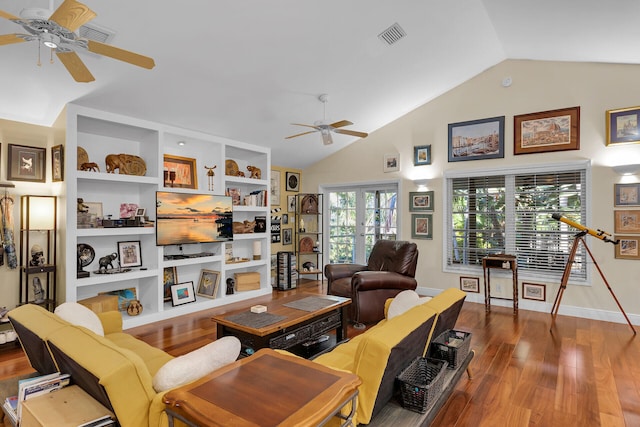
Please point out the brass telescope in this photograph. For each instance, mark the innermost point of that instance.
(600, 234)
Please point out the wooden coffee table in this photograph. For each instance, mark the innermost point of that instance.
(288, 327)
(266, 389)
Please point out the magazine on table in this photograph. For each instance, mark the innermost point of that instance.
(37, 386)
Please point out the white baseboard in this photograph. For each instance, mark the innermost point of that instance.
(585, 313)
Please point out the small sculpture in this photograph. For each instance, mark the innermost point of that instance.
(107, 261)
(231, 167)
(210, 176)
(230, 285)
(37, 256)
(256, 173)
(82, 208)
(126, 164)
(134, 308)
(90, 166)
(38, 292)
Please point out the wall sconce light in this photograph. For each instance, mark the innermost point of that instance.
(421, 183)
(626, 169)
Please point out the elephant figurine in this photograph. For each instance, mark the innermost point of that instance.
(126, 164)
(107, 261)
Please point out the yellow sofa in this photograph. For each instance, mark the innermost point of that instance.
(378, 355)
(117, 369)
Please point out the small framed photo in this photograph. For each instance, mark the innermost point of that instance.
(180, 172)
(275, 188)
(623, 126)
(286, 236)
(470, 284)
(422, 226)
(208, 283)
(627, 247)
(420, 201)
(391, 162)
(476, 139)
(140, 211)
(293, 181)
(26, 163)
(130, 254)
(627, 194)
(57, 163)
(534, 291)
(170, 278)
(421, 155)
(285, 219)
(291, 203)
(94, 208)
(554, 130)
(627, 221)
(182, 293)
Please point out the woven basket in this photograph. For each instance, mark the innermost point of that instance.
(447, 346)
(421, 383)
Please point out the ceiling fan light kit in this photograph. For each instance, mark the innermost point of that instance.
(327, 129)
(58, 33)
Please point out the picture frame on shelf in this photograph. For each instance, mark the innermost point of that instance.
(623, 126)
(180, 172)
(628, 247)
(293, 181)
(170, 278)
(534, 291)
(208, 283)
(94, 209)
(422, 226)
(26, 163)
(476, 139)
(547, 131)
(130, 254)
(57, 163)
(182, 293)
(291, 203)
(391, 162)
(287, 236)
(470, 284)
(420, 201)
(275, 188)
(626, 194)
(627, 221)
(140, 212)
(421, 155)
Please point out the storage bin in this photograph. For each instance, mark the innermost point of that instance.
(421, 383)
(452, 346)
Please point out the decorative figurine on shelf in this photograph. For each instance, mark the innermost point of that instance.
(210, 176)
(82, 208)
(90, 166)
(107, 261)
(127, 164)
(37, 256)
(230, 285)
(38, 292)
(134, 308)
(256, 173)
(302, 229)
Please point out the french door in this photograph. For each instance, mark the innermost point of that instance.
(358, 217)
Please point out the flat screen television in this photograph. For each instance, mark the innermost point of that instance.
(183, 218)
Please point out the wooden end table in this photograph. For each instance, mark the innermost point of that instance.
(266, 389)
(502, 262)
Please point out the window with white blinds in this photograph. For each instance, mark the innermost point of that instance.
(510, 212)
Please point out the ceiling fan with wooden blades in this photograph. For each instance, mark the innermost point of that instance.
(327, 129)
(59, 34)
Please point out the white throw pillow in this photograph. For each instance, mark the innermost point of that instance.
(404, 301)
(192, 366)
(79, 315)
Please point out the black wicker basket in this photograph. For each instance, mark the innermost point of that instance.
(452, 346)
(421, 383)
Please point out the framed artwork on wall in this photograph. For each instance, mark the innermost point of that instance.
(275, 188)
(420, 201)
(421, 155)
(26, 163)
(180, 172)
(554, 130)
(627, 247)
(627, 194)
(391, 162)
(534, 291)
(422, 226)
(57, 163)
(627, 221)
(293, 181)
(623, 125)
(470, 284)
(476, 139)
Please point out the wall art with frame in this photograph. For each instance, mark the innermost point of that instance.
(26, 163)
(57, 163)
(534, 291)
(182, 293)
(553, 130)
(628, 247)
(422, 226)
(476, 139)
(623, 125)
(208, 283)
(470, 284)
(420, 201)
(275, 188)
(293, 181)
(180, 172)
(627, 221)
(129, 254)
(627, 194)
(422, 155)
(391, 163)
(170, 278)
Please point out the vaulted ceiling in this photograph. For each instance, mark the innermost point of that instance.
(248, 69)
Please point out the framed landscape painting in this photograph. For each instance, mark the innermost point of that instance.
(476, 139)
(622, 126)
(554, 130)
(627, 221)
(627, 194)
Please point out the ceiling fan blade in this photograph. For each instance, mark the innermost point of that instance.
(7, 15)
(121, 54)
(326, 138)
(341, 123)
(352, 133)
(72, 15)
(75, 67)
(309, 126)
(300, 134)
(10, 39)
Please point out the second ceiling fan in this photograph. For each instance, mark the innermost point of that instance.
(327, 129)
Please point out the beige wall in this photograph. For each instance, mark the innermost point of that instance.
(537, 86)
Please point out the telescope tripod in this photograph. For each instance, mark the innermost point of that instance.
(579, 238)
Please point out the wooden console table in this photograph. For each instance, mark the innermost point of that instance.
(266, 389)
(502, 262)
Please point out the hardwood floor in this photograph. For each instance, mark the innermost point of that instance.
(527, 371)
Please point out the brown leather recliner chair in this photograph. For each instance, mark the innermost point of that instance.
(390, 270)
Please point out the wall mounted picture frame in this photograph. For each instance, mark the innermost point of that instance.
(422, 226)
(182, 293)
(391, 162)
(626, 194)
(534, 291)
(57, 163)
(293, 181)
(628, 247)
(130, 254)
(627, 221)
(170, 278)
(476, 139)
(208, 283)
(26, 163)
(421, 155)
(546, 131)
(180, 172)
(287, 234)
(420, 201)
(291, 203)
(623, 126)
(470, 284)
(275, 188)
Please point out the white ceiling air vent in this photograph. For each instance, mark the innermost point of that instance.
(96, 33)
(393, 34)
